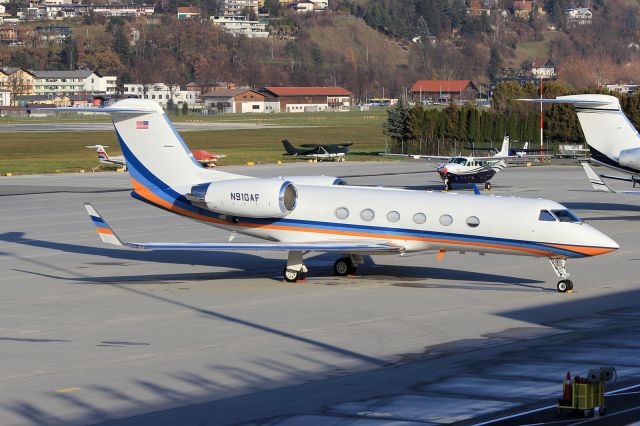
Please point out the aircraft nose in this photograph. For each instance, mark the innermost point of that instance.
(599, 243)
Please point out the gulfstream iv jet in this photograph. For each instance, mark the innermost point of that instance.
(300, 214)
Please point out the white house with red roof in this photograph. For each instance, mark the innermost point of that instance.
(442, 91)
(307, 99)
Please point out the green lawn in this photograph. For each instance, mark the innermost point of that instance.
(27, 153)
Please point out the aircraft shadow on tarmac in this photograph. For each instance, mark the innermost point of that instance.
(249, 264)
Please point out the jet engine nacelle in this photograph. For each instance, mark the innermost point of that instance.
(259, 198)
(315, 180)
(630, 158)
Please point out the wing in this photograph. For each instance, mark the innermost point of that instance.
(310, 145)
(436, 160)
(107, 235)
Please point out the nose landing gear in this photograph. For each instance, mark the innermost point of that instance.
(559, 267)
(295, 270)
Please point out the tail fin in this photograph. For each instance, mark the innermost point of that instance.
(504, 152)
(100, 149)
(606, 129)
(288, 147)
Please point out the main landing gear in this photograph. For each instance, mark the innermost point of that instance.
(487, 186)
(559, 267)
(296, 270)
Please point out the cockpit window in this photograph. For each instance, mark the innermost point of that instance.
(459, 160)
(566, 216)
(545, 216)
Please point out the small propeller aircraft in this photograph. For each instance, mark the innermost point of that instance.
(333, 152)
(205, 158)
(470, 169)
(302, 214)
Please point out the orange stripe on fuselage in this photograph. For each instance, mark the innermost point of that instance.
(146, 193)
(587, 251)
(104, 231)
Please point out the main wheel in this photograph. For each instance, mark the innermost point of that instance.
(487, 186)
(563, 286)
(569, 284)
(602, 411)
(291, 275)
(343, 267)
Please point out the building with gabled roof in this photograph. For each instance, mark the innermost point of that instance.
(234, 100)
(309, 99)
(187, 12)
(442, 91)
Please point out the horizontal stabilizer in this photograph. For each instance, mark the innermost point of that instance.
(599, 184)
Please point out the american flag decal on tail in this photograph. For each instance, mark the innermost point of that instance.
(142, 125)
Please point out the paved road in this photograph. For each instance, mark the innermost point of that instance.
(92, 334)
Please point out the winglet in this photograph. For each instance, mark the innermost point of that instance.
(595, 179)
(104, 230)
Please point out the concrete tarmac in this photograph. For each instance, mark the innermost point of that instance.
(96, 334)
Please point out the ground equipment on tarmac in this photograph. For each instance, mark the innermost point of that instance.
(583, 395)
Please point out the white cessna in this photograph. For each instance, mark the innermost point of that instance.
(299, 214)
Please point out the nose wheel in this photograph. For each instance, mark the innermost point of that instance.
(447, 184)
(559, 267)
(487, 186)
(295, 270)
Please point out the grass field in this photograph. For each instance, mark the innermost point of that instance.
(28, 153)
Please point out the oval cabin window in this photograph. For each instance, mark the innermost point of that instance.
(446, 220)
(367, 215)
(393, 216)
(473, 221)
(419, 218)
(342, 213)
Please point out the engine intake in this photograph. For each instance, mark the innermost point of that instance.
(259, 198)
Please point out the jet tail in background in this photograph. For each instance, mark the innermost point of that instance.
(504, 152)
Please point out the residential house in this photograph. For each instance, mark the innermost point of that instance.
(522, 9)
(234, 100)
(306, 99)
(206, 86)
(579, 15)
(240, 25)
(18, 81)
(162, 93)
(543, 68)
(42, 100)
(53, 33)
(439, 91)
(626, 89)
(240, 7)
(73, 82)
(9, 34)
(188, 12)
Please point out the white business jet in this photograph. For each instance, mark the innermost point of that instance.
(613, 141)
(301, 214)
(104, 158)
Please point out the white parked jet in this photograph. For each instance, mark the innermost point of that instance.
(613, 141)
(103, 157)
(299, 214)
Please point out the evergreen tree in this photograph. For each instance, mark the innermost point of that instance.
(495, 63)
(396, 125)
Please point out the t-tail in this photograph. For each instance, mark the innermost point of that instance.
(102, 153)
(612, 139)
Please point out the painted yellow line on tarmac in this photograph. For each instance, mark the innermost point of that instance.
(67, 390)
